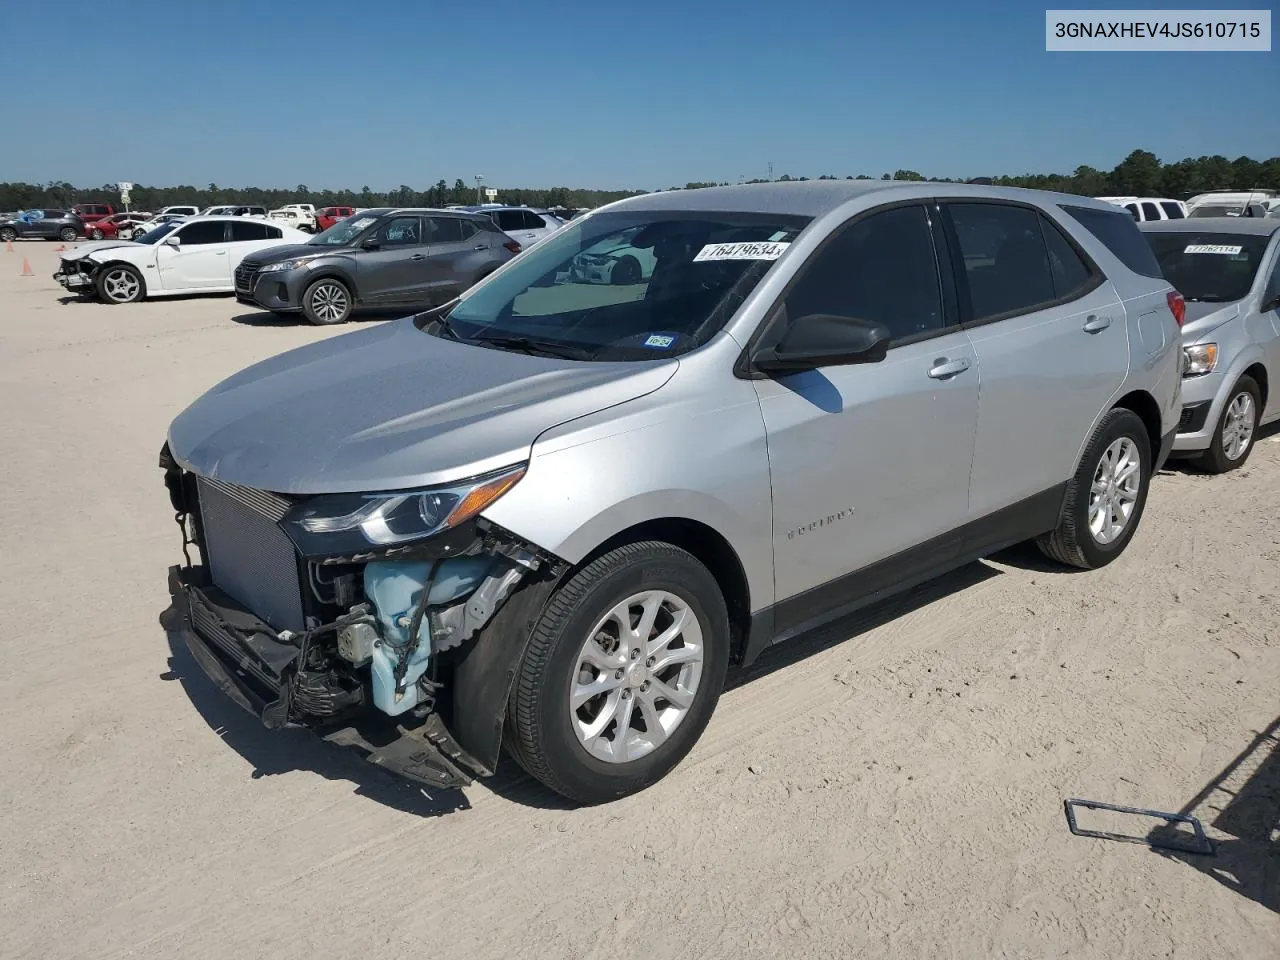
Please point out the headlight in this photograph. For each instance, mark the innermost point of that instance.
(287, 265)
(1199, 359)
(348, 523)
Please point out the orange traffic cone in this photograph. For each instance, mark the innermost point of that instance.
(8, 247)
(26, 268)
(60, 248)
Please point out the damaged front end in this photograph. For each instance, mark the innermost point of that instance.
(388, 622)
(77, 274)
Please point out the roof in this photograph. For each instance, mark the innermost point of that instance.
(1244, 226)
(813, 198)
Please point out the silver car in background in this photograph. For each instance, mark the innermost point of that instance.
(548, 515)
(1228, 269)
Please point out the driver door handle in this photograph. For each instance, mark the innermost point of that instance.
(1096, 324)
(945, 369)
(481, 246)
(418, 256)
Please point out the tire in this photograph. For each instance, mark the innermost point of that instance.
(1233, 438)
(554, 742)
(8, 235)
(327, 301)
(1123, 440)
(68, 235)
(120, 283)
(98, 234)
(626, 272)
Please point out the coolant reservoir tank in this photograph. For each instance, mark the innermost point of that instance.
(395, 589)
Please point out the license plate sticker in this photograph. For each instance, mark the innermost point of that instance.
(759, 250)
(1221, 249)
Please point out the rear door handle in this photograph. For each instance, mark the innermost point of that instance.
(418, 256)
(1096, 324)
(944, 369)
(481, 246)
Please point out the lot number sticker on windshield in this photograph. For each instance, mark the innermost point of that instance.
(768, 250)
(1218, 248)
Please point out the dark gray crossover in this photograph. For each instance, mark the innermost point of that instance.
(43, 225)
(545, 517)
(377, 258)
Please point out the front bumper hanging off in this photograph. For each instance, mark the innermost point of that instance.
(262, 674)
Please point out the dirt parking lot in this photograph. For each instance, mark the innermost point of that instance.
(893, 788)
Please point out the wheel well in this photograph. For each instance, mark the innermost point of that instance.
(712, 550)
(1145, 406)
(1259, 374)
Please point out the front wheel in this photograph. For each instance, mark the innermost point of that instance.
(1233, 439)
(120, 284)
(98, 234)
(8, 234)
(1106, 496)
(327, 301)
(621, 674)
(67, 235)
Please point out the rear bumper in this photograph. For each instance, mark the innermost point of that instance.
(261, 674)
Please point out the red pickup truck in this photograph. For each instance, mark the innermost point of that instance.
(327, 217)
(89, 212)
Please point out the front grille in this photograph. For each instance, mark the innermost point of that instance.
(245, 274)
(249, 557)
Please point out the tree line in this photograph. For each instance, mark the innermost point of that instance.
(1141, 173)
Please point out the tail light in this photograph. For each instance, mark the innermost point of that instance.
(1178, 305)
(514, 247)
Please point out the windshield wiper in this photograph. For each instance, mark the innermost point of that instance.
(533, 347)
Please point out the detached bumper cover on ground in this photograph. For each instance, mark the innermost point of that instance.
(243, 656)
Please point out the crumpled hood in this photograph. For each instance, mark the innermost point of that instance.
(82, 250)
(1203, 318)
(391, 407)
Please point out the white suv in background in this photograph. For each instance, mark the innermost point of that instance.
(524, 224)
(1150, 208)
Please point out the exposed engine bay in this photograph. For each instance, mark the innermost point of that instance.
(395, 650)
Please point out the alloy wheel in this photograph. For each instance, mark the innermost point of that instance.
(636, 676)
(329, 301)
(1237, 430)
(120, 285)
(1117, 481)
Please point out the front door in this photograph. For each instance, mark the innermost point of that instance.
(199, 260)
(870, 460)
(1051, 338)
(389, 271)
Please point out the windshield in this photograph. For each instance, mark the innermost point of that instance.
(624, 286)
(1209, 267)
(156, 234)
(342, 233)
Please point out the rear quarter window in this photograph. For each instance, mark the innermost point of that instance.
(1119, 234)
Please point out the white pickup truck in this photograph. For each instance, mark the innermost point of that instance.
(301, 216)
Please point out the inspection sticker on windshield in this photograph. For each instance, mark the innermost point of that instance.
(1218, 248)
(742, 251)
(660, 341)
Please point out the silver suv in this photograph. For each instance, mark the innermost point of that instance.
(550, 514)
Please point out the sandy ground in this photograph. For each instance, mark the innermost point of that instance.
(891, 789)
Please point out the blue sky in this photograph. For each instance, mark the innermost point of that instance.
(337, 94)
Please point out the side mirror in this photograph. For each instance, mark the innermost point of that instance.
(371, 244)
(825, 340)
(1270, 303)
(173, 241)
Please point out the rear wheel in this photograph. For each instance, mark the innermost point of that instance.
(1233, 439)
(67, 234)
(8, 234)
(621, 674)
(626, 272)
(327, 301)
(1105, 498)
(120, 283)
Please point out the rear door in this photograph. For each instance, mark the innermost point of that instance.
(1051, 342)
(397, 266)
(869, 460)
(515, 224)
(50, 224)
(457, 250)
(200, 261)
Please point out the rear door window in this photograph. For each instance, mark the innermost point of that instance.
(532, 221)
(882, 269)
(445, 230)
(1121, 236)
(201, 232)
(1150, 211)
(1172, 210)
(250, 230)
(1006, 262)
(509, 219)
